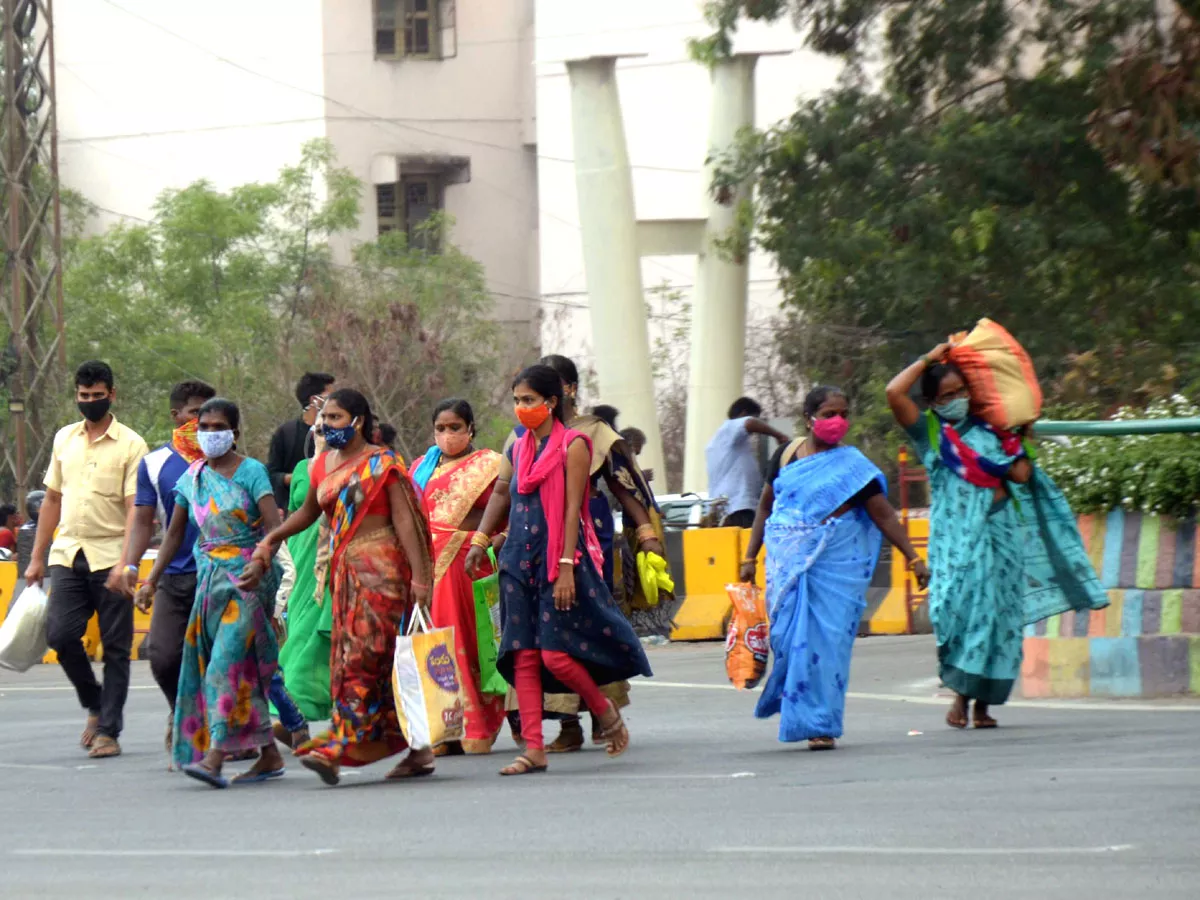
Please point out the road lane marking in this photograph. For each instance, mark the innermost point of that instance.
(1094, 705)
(173, 853)
(869, 850)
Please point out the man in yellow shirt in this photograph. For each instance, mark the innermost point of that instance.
(90, 488)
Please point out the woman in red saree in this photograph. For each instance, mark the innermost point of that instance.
(380, 565)
(455, 482)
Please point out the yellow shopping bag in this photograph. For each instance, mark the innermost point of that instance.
(426, 684)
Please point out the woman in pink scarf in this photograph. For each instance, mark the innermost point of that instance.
(562, 630)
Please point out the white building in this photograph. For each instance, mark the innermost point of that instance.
(429, 102)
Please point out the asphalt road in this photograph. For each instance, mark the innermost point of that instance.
(1076, 800)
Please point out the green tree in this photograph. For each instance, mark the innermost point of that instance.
(215, 287)
(410, 327)
(963, 177)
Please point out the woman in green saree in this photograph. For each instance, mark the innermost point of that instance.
(304, 656)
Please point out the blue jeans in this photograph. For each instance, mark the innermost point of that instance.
(289, 715)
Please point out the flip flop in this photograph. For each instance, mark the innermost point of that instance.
(324, 769)
(257, 777)
(200, 773)
(986, 722)
(104, 747)
(825, 743)
(527, 767)
(955, 722)
(402, 772)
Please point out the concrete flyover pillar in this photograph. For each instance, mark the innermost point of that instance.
(611, 259)
(718, 350)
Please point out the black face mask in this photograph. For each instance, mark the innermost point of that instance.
(94, 410)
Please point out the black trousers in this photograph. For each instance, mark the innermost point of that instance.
(743, 518)
(173, 603)
(75, 593)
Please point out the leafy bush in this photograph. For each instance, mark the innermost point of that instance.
(1141, 473)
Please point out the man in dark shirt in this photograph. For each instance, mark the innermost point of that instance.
(290, 441)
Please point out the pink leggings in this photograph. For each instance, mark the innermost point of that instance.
(528, 676)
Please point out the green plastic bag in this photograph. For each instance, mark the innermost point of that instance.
(487, 628)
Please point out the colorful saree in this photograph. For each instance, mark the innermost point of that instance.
(369, 578)
(230, 651)
(449, 494)
(304, 656)
(996, 565)
(818, 571)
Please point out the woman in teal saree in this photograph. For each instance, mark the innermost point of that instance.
(1004, 548)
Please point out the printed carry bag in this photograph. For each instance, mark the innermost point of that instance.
(23, 634)
(487, 628)
(426, 685)
(747, 645)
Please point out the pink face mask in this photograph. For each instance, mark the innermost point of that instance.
(830, 431)
(453, 443)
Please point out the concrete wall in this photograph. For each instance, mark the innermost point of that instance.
(1147, 642)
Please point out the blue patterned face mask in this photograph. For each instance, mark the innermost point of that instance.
(954, 410)
(338, 438)
(215, 444)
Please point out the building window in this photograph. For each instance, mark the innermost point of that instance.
(407, 205)
(407, 28)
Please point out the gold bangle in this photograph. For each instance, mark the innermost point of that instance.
(480, 540)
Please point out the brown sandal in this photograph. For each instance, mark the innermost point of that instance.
(104, 747)
(822, 743)
(523, 765)
(616, 736)
(985, 722)
(326, 770)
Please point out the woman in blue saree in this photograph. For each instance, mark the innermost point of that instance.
(1004, 547)
(230, 651)
(822, 514)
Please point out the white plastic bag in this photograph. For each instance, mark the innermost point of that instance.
(23, 634)
(425, 684)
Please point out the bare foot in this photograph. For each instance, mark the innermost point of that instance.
(89, 731)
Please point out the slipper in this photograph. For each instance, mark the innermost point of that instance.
(986, 722)
(257, 777)
(955, 722)
(522, 765)
(822, 743)
(201, 773)
(322, 767)
(402, 771)
(104, 747)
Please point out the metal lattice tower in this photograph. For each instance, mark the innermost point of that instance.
(33, 362)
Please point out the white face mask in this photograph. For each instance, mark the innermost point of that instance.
(215, 444)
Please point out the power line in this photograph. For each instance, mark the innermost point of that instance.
(370, 116)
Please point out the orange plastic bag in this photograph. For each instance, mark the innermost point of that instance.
(747, 644)
(1004, 386)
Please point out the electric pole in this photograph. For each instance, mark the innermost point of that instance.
(33, 362)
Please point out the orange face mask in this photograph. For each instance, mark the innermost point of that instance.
(185, 442)
(532, 417)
